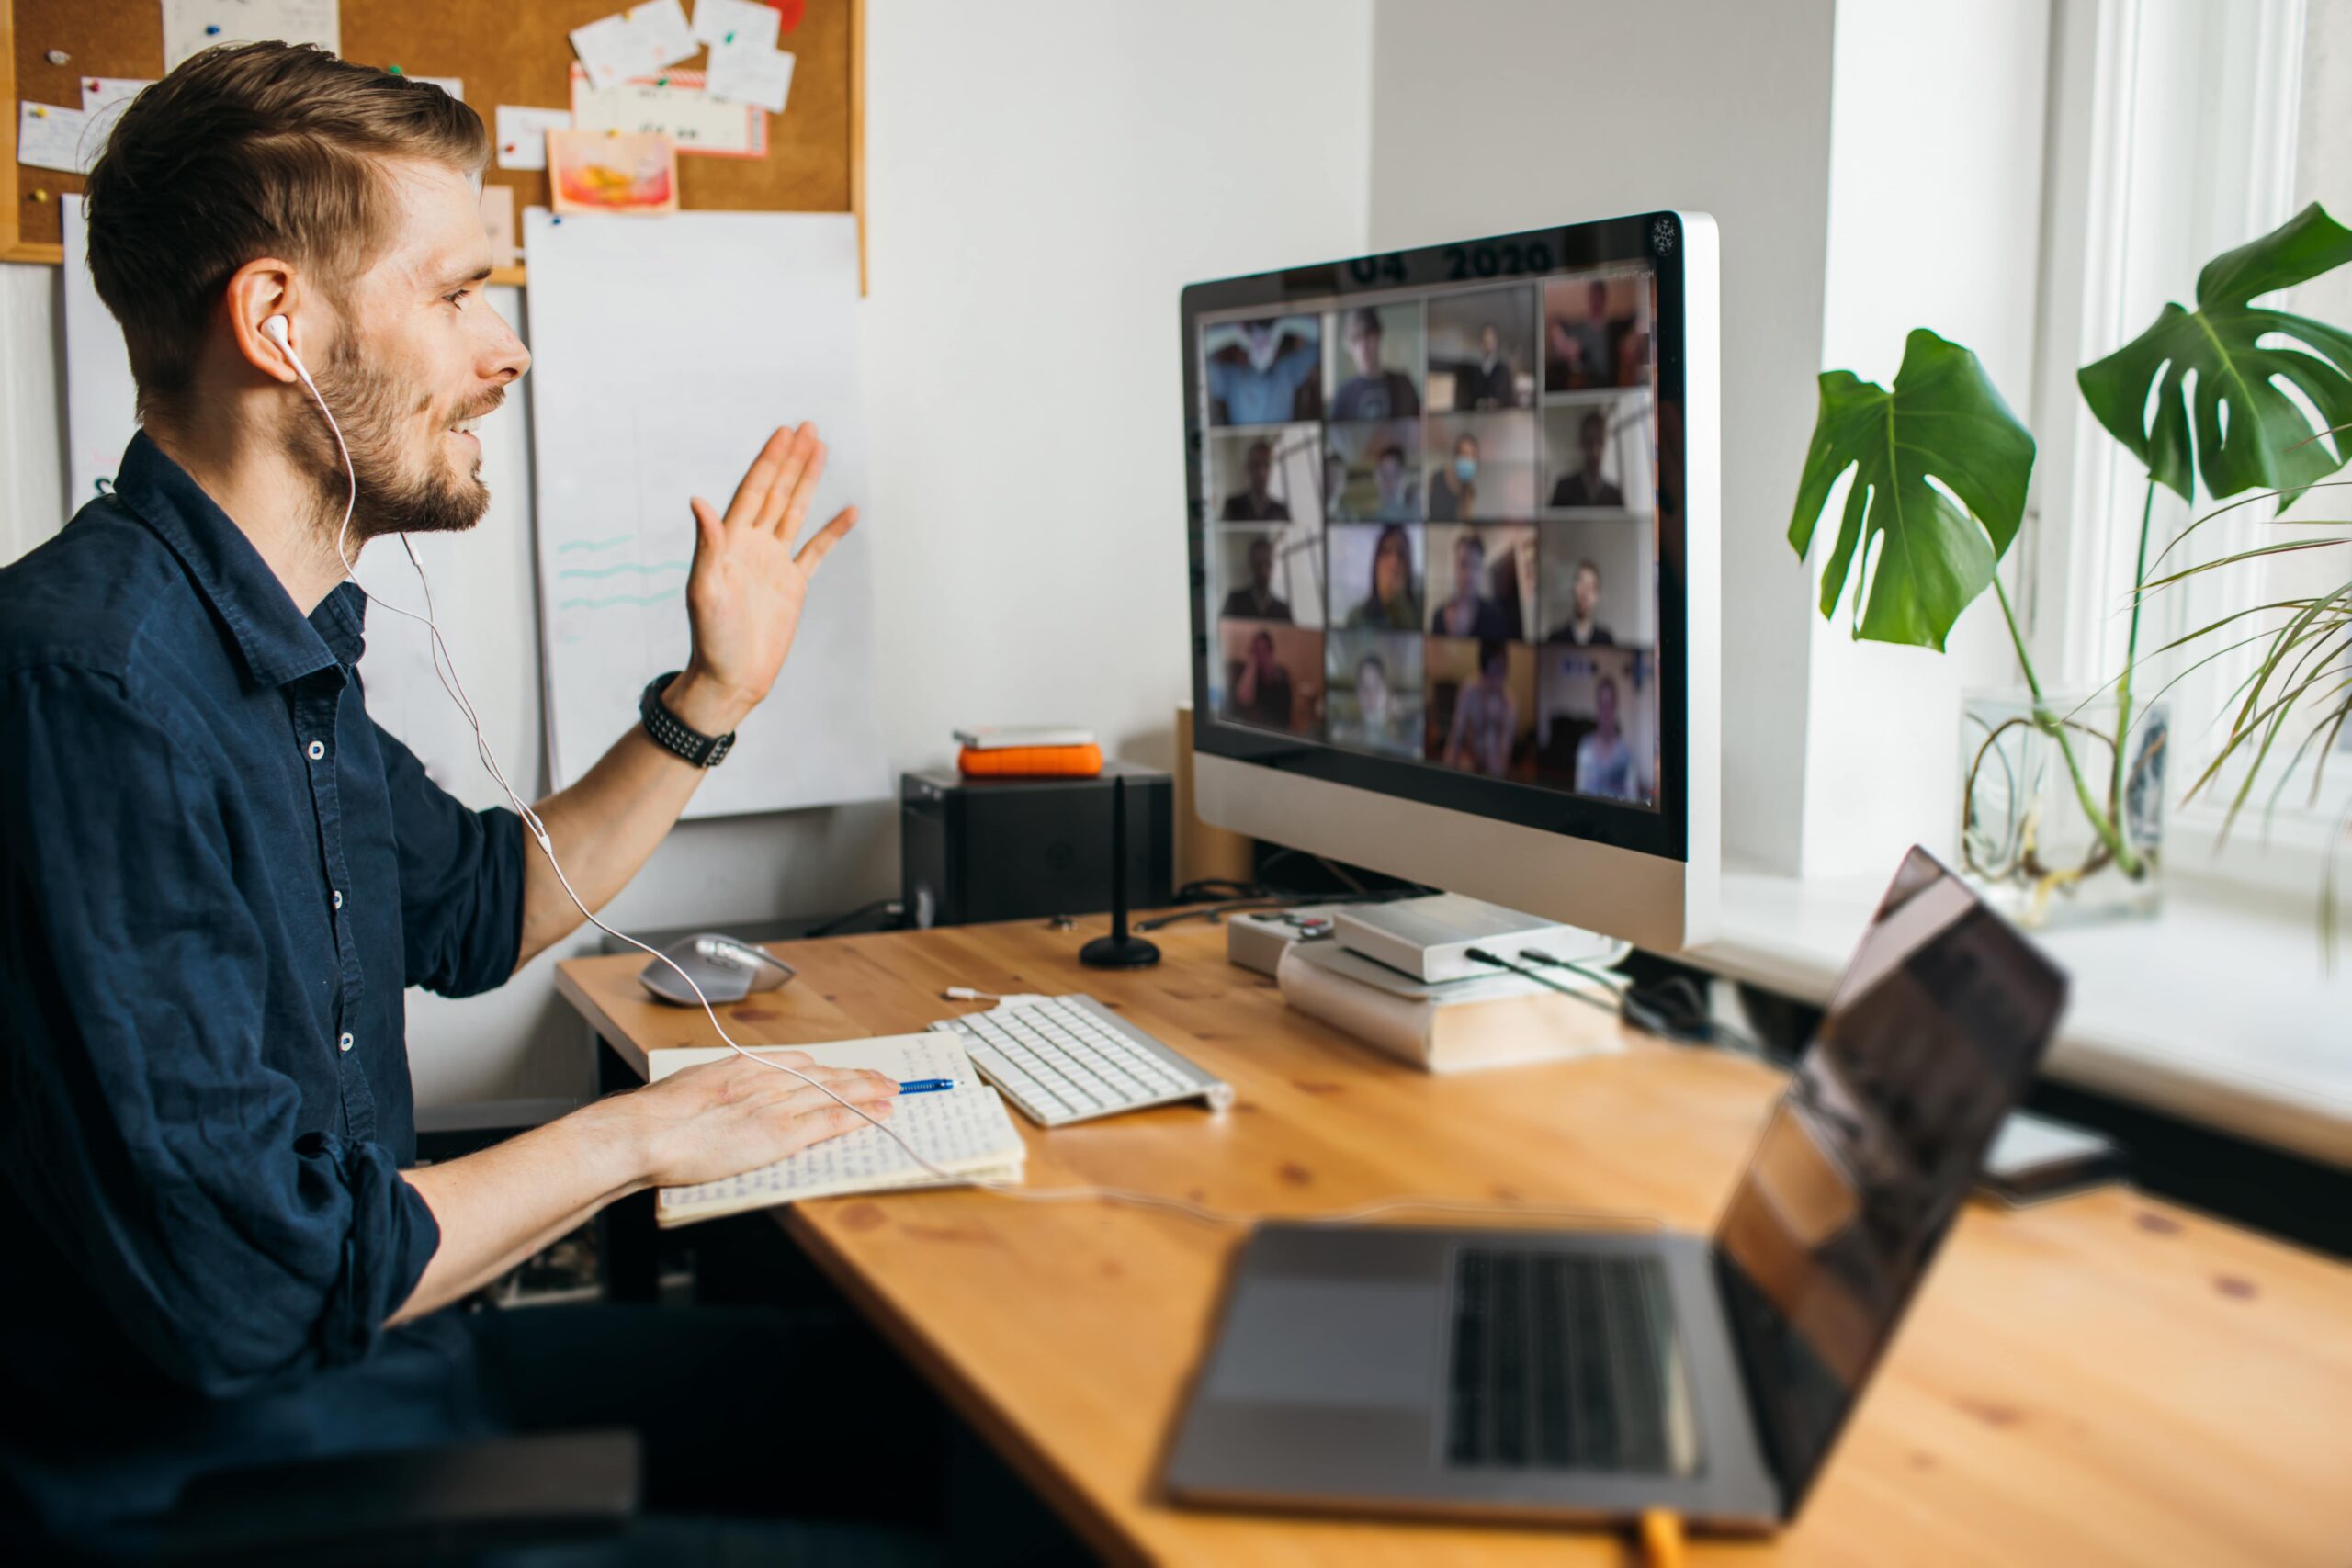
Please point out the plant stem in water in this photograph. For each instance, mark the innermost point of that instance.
(2050, 723)
(2131, 655)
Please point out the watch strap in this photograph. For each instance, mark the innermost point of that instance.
(674, 734)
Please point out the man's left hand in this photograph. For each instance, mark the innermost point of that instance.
(749, 581)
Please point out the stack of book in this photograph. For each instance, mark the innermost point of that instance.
(1032, 751)
(1451, 1026)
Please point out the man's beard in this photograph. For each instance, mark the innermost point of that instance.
(369, 408)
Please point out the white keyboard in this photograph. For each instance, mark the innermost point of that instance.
(1069, 1059)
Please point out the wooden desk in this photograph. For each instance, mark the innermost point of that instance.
(2104, 1379)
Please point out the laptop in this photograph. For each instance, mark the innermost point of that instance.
(1539, 1375)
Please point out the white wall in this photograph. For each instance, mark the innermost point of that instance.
(1032, 217)
(1496, 114)
(1935, 220)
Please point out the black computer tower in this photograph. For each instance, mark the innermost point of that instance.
(981, 849)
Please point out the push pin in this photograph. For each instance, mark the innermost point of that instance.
(91, 86)
(57, 57)
(212, 29)
(40, 196)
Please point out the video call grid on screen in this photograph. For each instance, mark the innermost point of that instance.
(1432, 526)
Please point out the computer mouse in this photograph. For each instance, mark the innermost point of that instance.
(726, 969)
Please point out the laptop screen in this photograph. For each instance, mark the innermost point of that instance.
(1932, 1037)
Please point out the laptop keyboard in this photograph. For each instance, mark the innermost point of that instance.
(1561, 1362)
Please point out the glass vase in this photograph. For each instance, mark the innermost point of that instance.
(2028, 839)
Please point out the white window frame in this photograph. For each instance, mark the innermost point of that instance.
(2172, 130)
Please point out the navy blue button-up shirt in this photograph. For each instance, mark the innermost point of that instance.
(215, 877)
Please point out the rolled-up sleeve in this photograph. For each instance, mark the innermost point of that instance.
(461, 881)
(143, 1124)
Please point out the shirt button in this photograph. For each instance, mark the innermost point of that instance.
(318, 750)
(344, 1044)
(338, 897)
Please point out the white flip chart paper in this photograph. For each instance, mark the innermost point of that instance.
(666, 351)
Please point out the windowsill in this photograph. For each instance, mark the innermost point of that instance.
(2218, 1011)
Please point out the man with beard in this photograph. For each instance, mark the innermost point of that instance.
(217, 875)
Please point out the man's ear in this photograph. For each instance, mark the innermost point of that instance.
(256, 291)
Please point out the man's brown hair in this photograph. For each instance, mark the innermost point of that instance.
(248, 151)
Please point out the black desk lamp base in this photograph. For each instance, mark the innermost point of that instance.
(1115, 951)
(1119, 949)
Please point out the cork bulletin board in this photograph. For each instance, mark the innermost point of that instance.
(504, 51)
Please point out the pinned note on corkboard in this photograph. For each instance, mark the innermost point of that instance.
(511, 52)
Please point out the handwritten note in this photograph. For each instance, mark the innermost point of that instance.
(633, 43)
(190, 25)
(102, 99)
(51, 137)
(523, 134)
(965, 1130)
(672, 103)
(760, 76)
(736, 21)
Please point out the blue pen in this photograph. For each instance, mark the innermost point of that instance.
(924, 1085)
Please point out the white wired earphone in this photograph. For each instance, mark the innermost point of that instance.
(445, 670)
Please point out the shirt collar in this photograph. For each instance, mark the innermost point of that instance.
(278, 643)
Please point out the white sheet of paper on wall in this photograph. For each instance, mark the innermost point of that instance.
(633, 42)
(102, 99)
(523, 134)
(191, 26)
(748, 23)
(762, 76)
(50, 136)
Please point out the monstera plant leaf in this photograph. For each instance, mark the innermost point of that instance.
(1944, 419)
(2249, 434)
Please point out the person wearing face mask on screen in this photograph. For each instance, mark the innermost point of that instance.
(1454, 489)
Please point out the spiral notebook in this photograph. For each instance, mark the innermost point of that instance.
(964, 1131)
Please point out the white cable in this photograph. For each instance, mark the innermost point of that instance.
(445, 670)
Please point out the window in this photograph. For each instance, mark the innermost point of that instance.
(2181, 128)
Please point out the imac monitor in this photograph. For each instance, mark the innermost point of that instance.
(1453, 515)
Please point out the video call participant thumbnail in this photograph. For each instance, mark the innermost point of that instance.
(1491, 381)
(1481, 706)
(1376, 578)
(1599, 726)
(1482, 350)
(1266, 371)
(1604, 761)
(1256, 503)
(1594, 334)
(1274, 675)
(1256, 599)
(1373, 472)
(1380, 388)
(1583, 485)
(1582, 628)
(1470, 607)
(1489, 718)
(1453, 487)
(1375, 692)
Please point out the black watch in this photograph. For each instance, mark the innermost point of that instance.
(674, 734)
